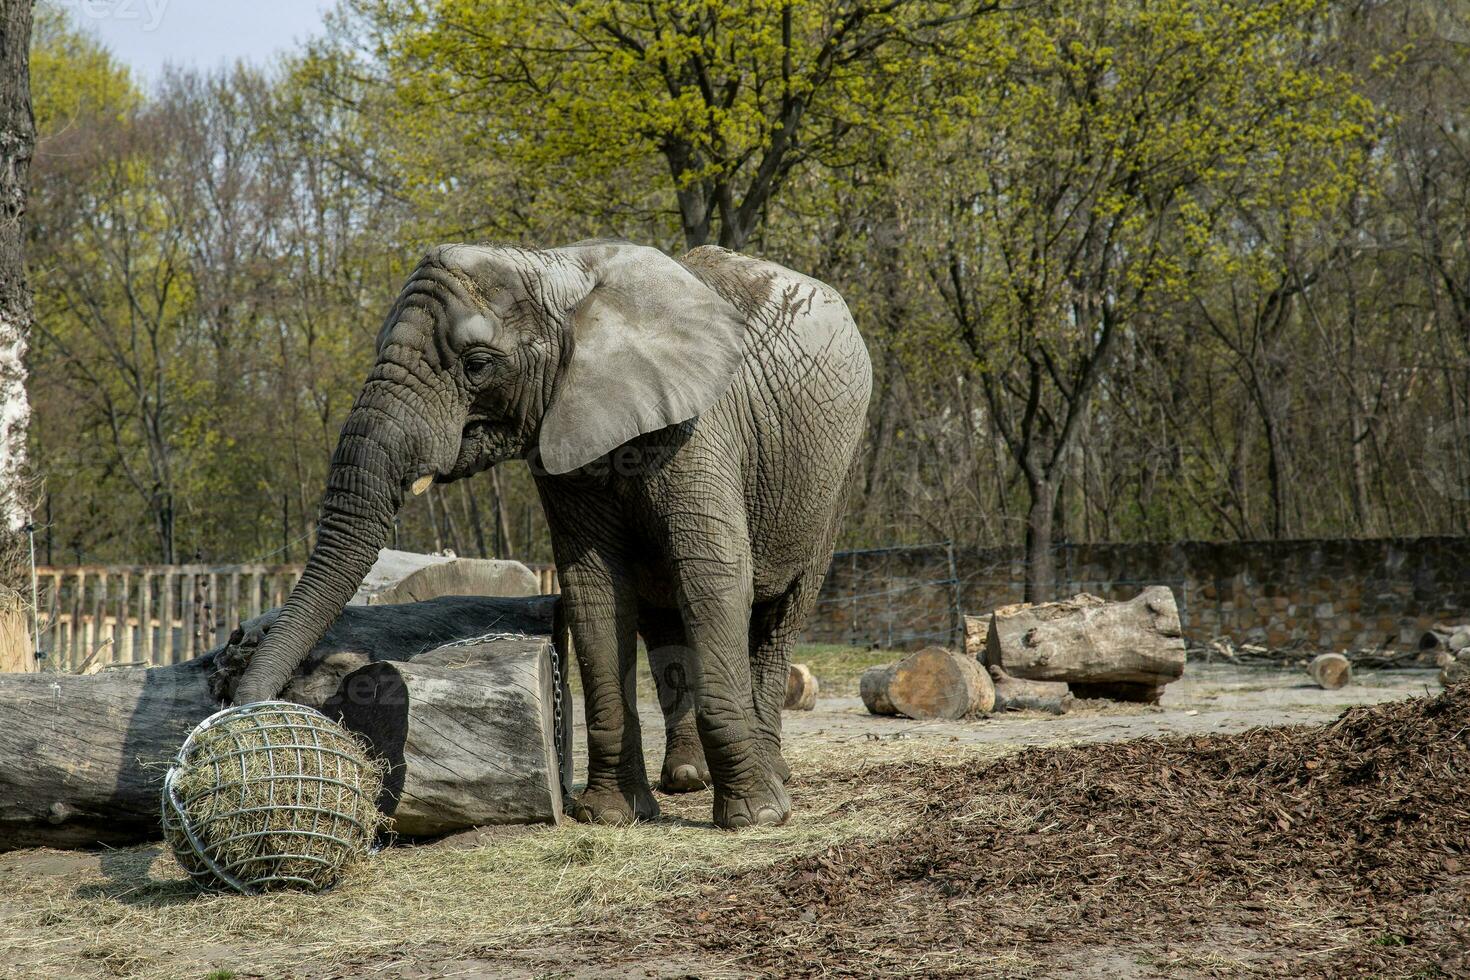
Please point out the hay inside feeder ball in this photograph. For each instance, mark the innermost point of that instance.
(270, 796)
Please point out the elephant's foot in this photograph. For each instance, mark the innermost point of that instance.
(685, 770)
(616, 806)
(766, 804)
(778, 765)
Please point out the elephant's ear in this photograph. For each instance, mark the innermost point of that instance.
(650, 346)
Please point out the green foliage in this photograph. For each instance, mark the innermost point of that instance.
(727, 100)
(73, 77)
(1183, 268)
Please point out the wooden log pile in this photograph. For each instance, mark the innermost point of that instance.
(1444, 638)
(1038, 658)
(1450, 648)
(1298, 655)
(468, 728)
(1125, 651)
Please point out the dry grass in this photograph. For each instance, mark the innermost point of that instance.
(839, 667)
(138, 915)
(17, 654)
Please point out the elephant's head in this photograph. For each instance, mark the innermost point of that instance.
(494, 353)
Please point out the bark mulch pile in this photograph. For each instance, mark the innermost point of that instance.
(1337, 850)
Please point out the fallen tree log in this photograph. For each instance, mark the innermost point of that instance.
(932, 683)
(468, 729)
(1330, 671)
(407, 576)
(801, 688)
(1126, 651)
(1017, 694)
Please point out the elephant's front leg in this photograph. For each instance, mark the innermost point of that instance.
(600, 605)
(601, 615)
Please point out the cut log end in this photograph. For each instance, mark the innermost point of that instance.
(873, 688)
(932, 683)
(1331, 671)
(1454, 672)
(801, 688)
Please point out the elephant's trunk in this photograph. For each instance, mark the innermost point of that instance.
(380, 449)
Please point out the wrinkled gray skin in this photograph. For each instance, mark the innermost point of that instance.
(690, 424)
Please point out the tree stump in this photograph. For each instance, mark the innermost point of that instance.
(1331, 671)
(1016, 694)
(1125, 651)
(468, 730)
(932, 683)
(801, 688)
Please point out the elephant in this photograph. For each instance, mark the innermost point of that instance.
(690, 425)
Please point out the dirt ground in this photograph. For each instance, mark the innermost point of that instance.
(887, 840)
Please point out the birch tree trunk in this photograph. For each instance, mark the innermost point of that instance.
(17, 140)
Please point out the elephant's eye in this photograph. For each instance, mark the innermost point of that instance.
(476, 361)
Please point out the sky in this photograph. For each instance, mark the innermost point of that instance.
(147, 34)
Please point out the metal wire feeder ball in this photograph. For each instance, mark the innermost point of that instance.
(271, 795)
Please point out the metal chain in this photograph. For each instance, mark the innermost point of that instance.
(483, 638)
(562, 762)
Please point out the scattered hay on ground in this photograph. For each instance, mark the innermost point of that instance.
(137, 915)
(1335, 850)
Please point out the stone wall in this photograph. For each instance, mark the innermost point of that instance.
(1337, 594)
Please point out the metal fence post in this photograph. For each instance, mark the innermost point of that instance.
(955, 616)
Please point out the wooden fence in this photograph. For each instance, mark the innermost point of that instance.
(96, 615)
(546, 575)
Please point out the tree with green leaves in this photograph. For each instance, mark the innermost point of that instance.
(728, 100)
(1109, 144)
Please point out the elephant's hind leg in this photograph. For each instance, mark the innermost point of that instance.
(774, 627)
(673, 666)
(712, 566)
